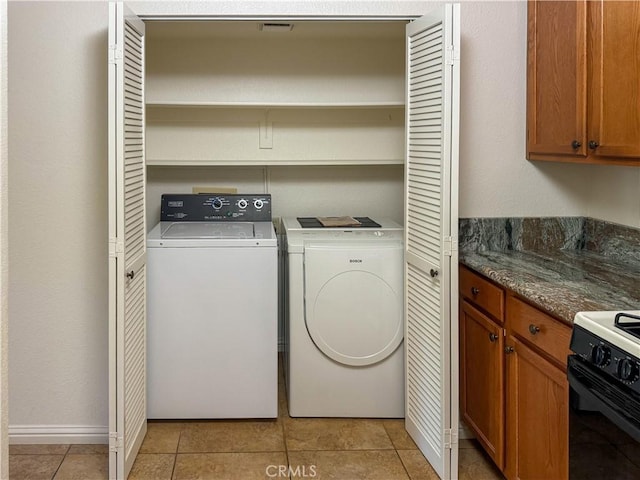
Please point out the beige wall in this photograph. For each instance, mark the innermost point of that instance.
(495, 178)
(58, 219)
(58, 189)
(4, 257)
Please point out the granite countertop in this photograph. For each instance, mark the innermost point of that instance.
(560, 281)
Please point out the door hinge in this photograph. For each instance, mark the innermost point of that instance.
(451, 55)
(449, 245)
(450, 437)
(115, 53)
(115, 442)
(115, 247)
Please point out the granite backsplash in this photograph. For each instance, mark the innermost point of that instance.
(544, 234)
(560, 264)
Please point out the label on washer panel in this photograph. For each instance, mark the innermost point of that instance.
(219, 208)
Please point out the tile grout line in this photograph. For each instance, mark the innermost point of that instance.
(175, 455)
(61, 462)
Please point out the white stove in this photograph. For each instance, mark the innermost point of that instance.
(623, 332)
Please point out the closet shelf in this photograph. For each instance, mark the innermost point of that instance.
(258, 162)
(284, 105)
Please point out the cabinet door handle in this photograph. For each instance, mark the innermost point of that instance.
(533, 329)
(131, 274)
(508, 350)
(434, 273)
(593, 144)
(475, 291)
(576, 144)
(493, 337)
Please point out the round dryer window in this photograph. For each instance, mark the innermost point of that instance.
(355, 318)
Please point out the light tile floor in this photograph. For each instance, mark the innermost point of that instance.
(318, 448)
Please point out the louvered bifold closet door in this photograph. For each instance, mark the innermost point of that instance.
(431, 232)
(127, 255)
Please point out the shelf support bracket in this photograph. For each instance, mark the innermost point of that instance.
(266, 132)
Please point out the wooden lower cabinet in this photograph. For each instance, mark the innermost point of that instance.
(482, 379)
(537, 419)
(514, 392)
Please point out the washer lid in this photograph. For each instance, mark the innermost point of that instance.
(349, 330)
(178, 230)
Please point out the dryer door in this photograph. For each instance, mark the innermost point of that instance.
(353, 301)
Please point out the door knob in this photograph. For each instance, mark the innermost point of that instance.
(576, 144)
(493, 337)
(475, 291)
(508, 350)
(593, 144)
(533, 329)
(131, 274)
(434, 273)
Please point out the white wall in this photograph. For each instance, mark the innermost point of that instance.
(58, 219)
(495, 178)
(375, 191)
(4, 256)
(58, 184)
(614, 194)
(283, 8)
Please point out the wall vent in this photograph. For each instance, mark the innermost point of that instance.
(275, 27)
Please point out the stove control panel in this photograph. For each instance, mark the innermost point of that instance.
(610, 359)
(215, 208)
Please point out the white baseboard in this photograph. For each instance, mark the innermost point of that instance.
(56, 434)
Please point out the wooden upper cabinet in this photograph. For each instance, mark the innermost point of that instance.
(614, 70)
(556, 78)
(583, 93)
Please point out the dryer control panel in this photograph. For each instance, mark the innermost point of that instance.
(206, 207)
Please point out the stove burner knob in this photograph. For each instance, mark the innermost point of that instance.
(627, 370)
(258, 204)
(242, 204)
(217, 204)
(600, 355)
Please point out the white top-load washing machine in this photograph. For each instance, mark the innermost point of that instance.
(344, 353)
(212, 308)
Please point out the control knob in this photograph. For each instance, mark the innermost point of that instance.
(627, 370)
(258, 204)
(242, 204)
(216, 204)
(600, 355)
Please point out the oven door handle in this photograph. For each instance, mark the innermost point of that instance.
(622, 421)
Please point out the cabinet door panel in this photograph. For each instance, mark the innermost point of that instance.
(482, 381)
(614, 67)
(537, 416)
(556, 78)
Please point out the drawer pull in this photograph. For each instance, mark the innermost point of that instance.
(508, 350)
(475, 291)
(533, 329)
(493, 337)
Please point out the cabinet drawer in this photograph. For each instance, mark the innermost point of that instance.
(539, 329)
(482, 293)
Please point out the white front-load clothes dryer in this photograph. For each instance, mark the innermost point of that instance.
(344, 354)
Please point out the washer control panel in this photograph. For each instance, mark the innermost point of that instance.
(206, 207)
